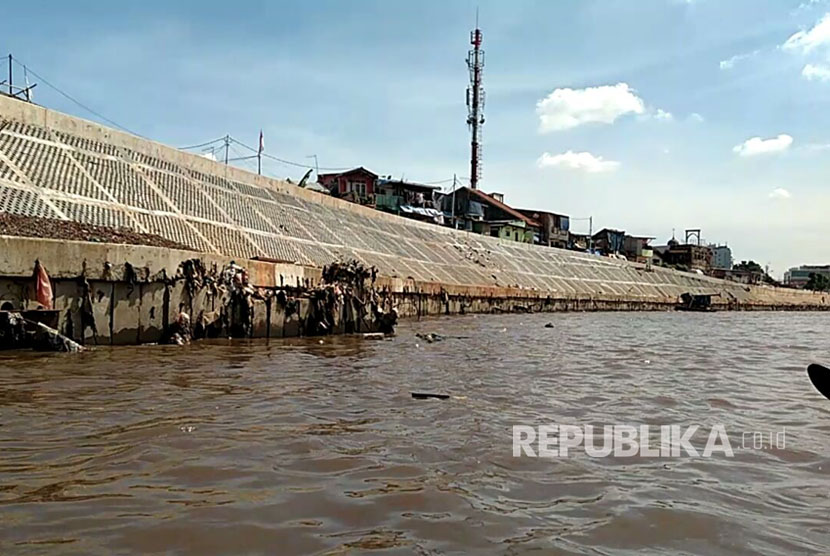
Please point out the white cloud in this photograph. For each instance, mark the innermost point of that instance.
(816, 71)
(695, 118)
(729, 63)
(756, 145)
(583, 161)
(808, 5)
(569, 108)
(779, 193)
(661, 114)
(807, 41)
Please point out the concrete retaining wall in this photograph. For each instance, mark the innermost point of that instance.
(140, 312)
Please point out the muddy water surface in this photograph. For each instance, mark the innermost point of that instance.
(298, 447)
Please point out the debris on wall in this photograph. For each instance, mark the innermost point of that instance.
(17, 332)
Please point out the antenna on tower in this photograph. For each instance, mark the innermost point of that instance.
(475, 103)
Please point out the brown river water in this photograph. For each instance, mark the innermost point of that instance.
(302, 447)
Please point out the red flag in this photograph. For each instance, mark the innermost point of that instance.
(261, 141)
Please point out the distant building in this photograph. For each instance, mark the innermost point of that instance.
(742, 276)
(799, 276)
(690, 256)
(357, 185)
(475, 211)
(721, 256)
(553, 228)
(637, 248)
(409, 199)
(579, 242)
(608, 241)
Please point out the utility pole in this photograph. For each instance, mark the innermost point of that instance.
(260, 148)
(10, 75)
(453, 202)
(227, 146)
(475, 103)
(591, 234)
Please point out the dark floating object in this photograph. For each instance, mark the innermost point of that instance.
(696, 302)
(549, 325)
(426, 396)
(820, 377)
(430, 337)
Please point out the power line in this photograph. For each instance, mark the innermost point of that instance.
(289, 162)
(438, 182)
(85, 107)
(201, 144)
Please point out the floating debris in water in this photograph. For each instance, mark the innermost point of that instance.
(427, 395)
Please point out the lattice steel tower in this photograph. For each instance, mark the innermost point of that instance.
(475, 104)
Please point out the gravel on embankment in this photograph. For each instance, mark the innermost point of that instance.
(50, 228)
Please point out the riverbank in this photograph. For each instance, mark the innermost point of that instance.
(257, 249)
(131, 294)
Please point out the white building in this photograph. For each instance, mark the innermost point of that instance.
(799, 276)
(721, 256)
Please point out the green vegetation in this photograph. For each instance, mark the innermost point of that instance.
(749, 266)
(818, 283)
(755, 268)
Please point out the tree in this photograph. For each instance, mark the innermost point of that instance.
(750, 266)
(818, 283)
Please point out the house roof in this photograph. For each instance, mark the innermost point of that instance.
(608, 230)
(409, 185)
(314, 186)
(358, 170)
(484, 197)
(530, 212)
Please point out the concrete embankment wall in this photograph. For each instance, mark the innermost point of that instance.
(138, 308)
(57, 166)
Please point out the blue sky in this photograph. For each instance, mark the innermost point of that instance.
(640, 114)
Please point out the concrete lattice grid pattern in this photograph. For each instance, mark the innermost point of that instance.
(57, 166)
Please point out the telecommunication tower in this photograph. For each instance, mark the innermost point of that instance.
(475, 103)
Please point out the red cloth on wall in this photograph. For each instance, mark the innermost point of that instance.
(43, 286)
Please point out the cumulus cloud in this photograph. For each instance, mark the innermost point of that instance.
(807, 41)
(694, 117)
(569, 108)
(756, 145)
(779, 193)
(816, 72)
(583, 161)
